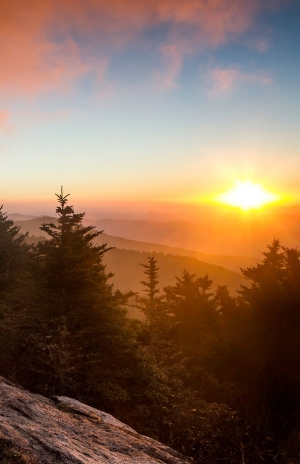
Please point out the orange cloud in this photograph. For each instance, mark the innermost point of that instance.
(30, 62)
(49, 44)
(214, 19)
(224, 80)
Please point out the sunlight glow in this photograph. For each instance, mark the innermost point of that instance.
(247, 195)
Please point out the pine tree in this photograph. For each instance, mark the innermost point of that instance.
(160, 323)
(273, 301)
(14, 261)
(191, 301)
(226, 304)
(17, 291)
(197, 332)
(151, 287)
(72, 265)
(92, 348)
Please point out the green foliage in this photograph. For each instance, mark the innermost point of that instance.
(212, 374)
(17, 293)
(273, 358)
(14, 262)
(125, 264)
(194, 309)
(207, 432)
(190, 298)
(71, 265)
(91, 349)
(151, 286)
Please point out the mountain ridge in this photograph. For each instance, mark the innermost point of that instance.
(231, 262)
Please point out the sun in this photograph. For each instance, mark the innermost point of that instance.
(246, 195)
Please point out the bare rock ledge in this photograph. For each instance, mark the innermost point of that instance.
(63, 430)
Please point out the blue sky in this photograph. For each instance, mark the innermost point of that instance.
(142, 103)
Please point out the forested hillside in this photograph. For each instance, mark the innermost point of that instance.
(222, 232)
(233, 263)
(211, 373)
(125, 264)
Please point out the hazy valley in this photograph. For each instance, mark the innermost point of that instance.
(125, 259)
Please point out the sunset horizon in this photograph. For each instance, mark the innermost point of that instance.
(150, 231)
(147, 103)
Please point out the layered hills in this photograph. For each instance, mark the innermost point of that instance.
(218, 233)
(125, 259)
(231, 262)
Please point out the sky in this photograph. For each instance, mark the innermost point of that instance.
(140, 103)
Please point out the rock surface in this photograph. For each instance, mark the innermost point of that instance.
(64, 430)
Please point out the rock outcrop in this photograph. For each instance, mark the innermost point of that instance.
(34, 429)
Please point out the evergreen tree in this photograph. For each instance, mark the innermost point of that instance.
(267, 300)
(197, 330)
(192, 303)
(14, 261)
(81, 310)
(273, 301)
(17, 292)
(93, 350)
(158, 331)
(151, 287)
(226, 304)
(72, 267)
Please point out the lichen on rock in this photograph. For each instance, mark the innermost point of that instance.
(61, 430)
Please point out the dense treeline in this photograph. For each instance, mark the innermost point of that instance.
(126, 266)
(214, 375)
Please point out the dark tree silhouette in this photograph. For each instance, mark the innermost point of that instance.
(72, 267)
(192, 303)
(14, 261)
(151, 287)
(273, 301)
(94, 351)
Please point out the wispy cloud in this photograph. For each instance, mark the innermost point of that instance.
(222, 81)
(6, 125)
(262, 45)
(166, 77)
(50, 44)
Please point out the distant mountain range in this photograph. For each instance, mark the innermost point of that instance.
(233, 263)
(20, 217)
(125, 260)
(218, 234)
(126, 265)
(217, 245)
(32, 226)
(227, 234)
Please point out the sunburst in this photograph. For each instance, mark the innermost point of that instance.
(247, 195)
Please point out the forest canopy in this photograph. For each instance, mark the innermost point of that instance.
(210, 373)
